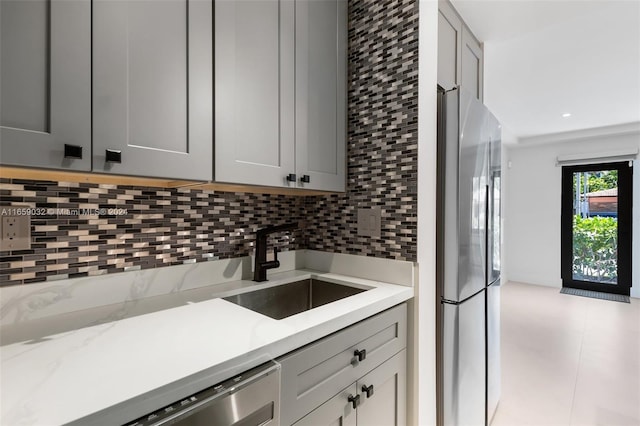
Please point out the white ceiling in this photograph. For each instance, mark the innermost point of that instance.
(544, 58)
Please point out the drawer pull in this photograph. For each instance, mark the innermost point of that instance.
(72, 151)
(368, 390)
(361, 354)
(305, 179)
(113, 156)
(291, 177)
(354, 400)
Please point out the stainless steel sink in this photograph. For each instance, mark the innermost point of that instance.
(285, 300)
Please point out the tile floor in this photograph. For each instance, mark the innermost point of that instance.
(568, 360)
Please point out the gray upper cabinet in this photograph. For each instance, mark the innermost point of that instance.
(472, 64)
(460, 55)
(314, 374)
(321, 93)
(152, 88)
(449, 46)
(45, 81)
(254, 93)
(280, 93)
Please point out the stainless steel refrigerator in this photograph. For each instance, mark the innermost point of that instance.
(468, 260)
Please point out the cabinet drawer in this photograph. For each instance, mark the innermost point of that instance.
(384, 405)
(336, 411)
(315, 373)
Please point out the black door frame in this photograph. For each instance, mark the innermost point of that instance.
(625, 202)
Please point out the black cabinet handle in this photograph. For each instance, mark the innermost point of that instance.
(354, 400)
(361, 354)
(305, 179)
(368, 390)
(291, 177)
(72, 151)
(114, 156)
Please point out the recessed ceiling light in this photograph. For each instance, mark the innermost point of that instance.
(566, 114)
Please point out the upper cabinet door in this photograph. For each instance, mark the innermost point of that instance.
(254, 92)
(45, 81)
(472, 64)
(449, 46)
(152, 82)
(460, 55)
(321, 93)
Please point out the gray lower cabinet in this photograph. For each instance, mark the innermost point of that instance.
(337, 411)
(45, 81)
(460, 55)
(383, 394)
(376, 399)
(280, 93)
(319, 371)
(152, 88)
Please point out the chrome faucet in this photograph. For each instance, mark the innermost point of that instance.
(261, 263)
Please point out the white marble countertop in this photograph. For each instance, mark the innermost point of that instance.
(74, 368)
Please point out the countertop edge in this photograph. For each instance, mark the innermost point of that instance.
(139, 406)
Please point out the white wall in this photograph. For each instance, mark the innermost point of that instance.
(508, 139)
(532, 203)
(423, 408)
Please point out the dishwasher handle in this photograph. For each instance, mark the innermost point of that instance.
(253, 396)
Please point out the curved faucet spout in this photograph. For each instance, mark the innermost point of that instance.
(261, 264)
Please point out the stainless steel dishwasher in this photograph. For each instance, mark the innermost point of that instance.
(249, 399)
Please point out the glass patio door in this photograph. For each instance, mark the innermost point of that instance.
(596, 227)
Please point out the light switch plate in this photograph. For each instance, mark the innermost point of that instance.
(370, 222)
(15, 231)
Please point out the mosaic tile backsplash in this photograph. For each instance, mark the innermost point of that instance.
(132, 228)
(382, 152)
(153, 227)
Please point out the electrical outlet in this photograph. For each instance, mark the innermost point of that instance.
(370, 222)
(15, 233)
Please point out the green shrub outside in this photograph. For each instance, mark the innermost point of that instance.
(595, 242)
